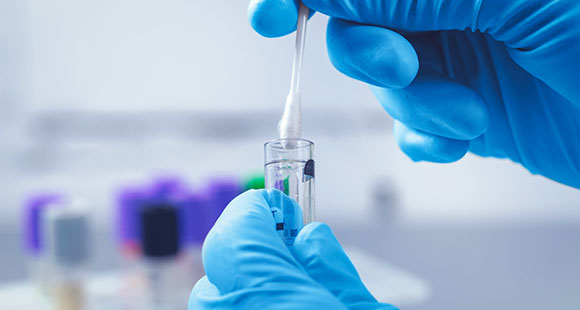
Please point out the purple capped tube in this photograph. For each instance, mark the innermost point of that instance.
(34, 208)
(129, 202)
(196, 221)
(222, 191)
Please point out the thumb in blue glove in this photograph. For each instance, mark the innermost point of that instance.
(249, 267)
(495, 78)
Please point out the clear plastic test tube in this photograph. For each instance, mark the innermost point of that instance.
(35, 210)
(67, 245)
(289, 169)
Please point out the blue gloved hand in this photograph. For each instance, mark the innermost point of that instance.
(249, 267)
(497, 78)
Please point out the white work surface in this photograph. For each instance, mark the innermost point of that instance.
(388, 283)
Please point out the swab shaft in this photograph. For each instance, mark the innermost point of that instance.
(290, 126)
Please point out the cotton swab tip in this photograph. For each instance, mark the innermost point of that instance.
(290, 125)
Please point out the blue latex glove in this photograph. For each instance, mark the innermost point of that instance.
(249, 267)
(497, 78)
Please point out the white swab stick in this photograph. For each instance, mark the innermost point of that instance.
(290, 126)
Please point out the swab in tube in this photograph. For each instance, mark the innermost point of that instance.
(290, 126)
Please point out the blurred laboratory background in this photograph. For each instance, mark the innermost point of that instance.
(121, 117)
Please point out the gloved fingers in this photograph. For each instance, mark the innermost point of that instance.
(244, 251)
(433, 102)
(421, 146)
(437, 105)
(323, 258)
(203, 295)
(407, 15)
(374, 55)
(274, 18)
(541, 36)
(289, 296)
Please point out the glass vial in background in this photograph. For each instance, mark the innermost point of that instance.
(128, 202)
(289, 169)
(161, 246)
(34, 211)
(67, 248)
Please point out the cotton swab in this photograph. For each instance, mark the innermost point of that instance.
(290, 126)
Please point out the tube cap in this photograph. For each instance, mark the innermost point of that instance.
(129, 201)
(159, 230)
(168, 187)
(222, 191)
(195, 214)
(34, 208)
(255, 181)
(67, 236)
